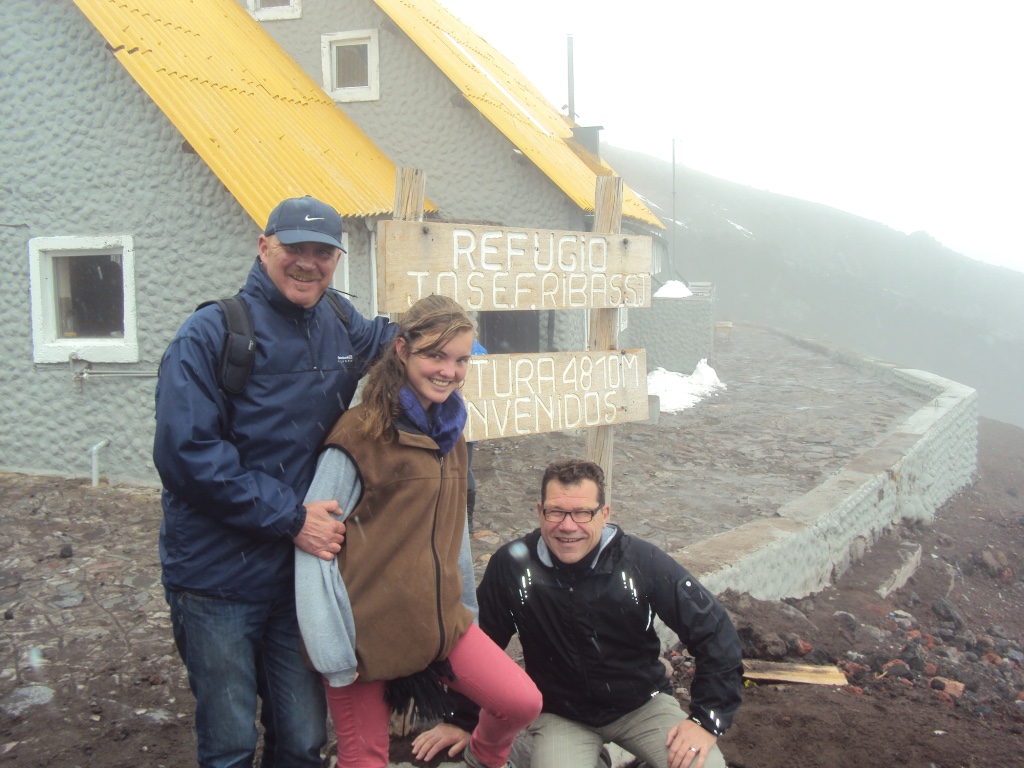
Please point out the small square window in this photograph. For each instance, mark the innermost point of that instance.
(89, 298)
(351, 65)
(271, 10)
(83, 299)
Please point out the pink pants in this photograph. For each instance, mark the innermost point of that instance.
(508, 699)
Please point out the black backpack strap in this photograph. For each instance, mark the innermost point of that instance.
(240, 339)
(335, 301)
(239, 344)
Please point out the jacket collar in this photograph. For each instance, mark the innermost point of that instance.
(546, 558)
(259, 284)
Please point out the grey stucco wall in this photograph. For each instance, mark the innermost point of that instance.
(86, 152)
(473, 172)
(676, 332)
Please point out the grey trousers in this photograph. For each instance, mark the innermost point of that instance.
(556, 742)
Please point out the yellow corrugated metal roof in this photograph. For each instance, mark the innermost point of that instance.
(265, 128)
(507, 99)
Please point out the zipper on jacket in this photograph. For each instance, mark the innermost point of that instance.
(437, 560)
(583, 657)
(306, 321)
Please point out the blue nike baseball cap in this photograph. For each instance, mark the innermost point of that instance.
(305, 220)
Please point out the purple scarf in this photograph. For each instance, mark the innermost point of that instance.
(445, 422)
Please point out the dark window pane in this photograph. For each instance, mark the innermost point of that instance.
(90, 296)
(352, 65)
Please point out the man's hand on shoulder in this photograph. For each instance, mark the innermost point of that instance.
(429, 743)
(321, 535)
(688, 745)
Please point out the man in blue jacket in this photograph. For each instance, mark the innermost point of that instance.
(582, 595)
(235, 469)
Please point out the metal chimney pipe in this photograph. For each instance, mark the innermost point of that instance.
(572, 88)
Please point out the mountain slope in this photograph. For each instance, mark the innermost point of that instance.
(821, 272)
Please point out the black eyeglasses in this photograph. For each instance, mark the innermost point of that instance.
(577, 515)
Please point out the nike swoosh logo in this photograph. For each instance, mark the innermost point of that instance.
(315, 218)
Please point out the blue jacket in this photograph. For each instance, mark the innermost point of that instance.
(235, 469)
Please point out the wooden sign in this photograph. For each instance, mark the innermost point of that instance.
(488, 268)
(509, 395)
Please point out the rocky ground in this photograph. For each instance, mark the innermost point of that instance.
(89, 676)
(934, 671)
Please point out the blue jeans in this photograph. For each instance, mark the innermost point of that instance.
(234, 652)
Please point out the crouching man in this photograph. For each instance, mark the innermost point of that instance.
(582, 595)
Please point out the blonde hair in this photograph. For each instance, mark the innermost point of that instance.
(432, 316)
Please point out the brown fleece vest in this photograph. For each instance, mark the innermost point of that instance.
(402, 541)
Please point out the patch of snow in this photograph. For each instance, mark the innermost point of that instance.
(673, 289)
(742, 229)
(678, 391)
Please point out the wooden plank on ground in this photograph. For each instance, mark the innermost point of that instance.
(785, 672)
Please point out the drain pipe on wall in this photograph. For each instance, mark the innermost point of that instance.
(95, 451)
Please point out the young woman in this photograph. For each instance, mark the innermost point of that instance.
(398, 605)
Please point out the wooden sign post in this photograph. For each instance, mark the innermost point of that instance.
(604, 323)
(486, 268)
(410, 191)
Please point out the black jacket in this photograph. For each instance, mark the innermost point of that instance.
(587, 630)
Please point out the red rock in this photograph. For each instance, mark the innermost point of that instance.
(992, 658)
(945, 698)
(895, 668)
(930, 669)
(852, 669)
(953, 688)
(856, 690)
(803, 648)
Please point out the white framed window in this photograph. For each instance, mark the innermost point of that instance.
(340, 280)
(351, 65)
(83, 299)
(271, 10)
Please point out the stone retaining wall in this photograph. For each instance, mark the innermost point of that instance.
(814, 539)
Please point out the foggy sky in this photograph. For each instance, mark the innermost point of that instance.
(904, 112)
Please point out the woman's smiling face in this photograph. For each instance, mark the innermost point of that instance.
(433, 375)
